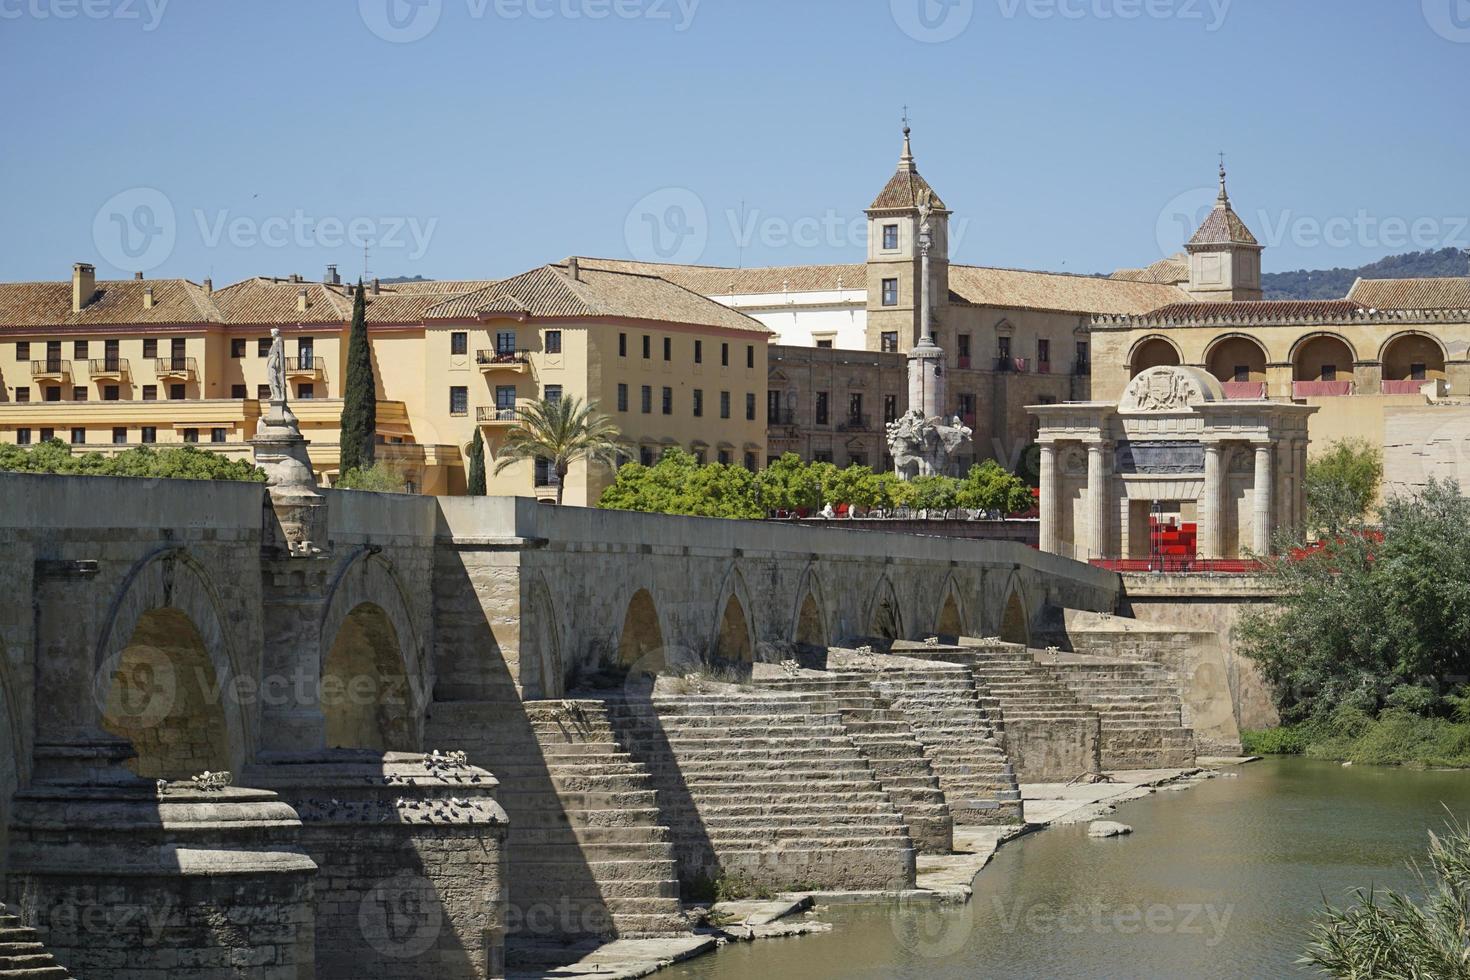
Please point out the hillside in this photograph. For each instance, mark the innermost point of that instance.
(1335, 283)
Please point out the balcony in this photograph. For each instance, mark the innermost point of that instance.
(1082, 369)
(969, 419)
(51, 369)
(1423, 386)
(854, 423)
(490, 415)
(108, 368)
(176, 368)
(1322, 389)
(1244, 390)
(1011, 365)
(306, 367)
(517, 361)
(963, 362)
(1043, 367)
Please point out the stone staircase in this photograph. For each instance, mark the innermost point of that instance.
(588, 855)
(1139, 704)
(883, 735)
(963, 737)
(767, 787)
(22, 954)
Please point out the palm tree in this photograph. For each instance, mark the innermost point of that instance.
(560, 431)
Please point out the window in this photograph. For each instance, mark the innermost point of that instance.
(647, 347)
(1242, 372)
(1417, 372)
(505, 343)
(459, 343)
(622, 398)
(149, 433)
(773, 407)
(191, 435)
(237, 347)
(645, 397)
(111, 393)
(750, 355)
(750, 462)
(890, 237)
(306, 392)
(79, 394)
(724, 457)
(545, 475)
(553, 341)
(668, 402)
(698, 402)
(888, 341)
(750, 406)
(52, 394)
(22, 393)
(890, 408)
(48, 434)
(553, 393)
(150, 347)
(217, 434)
(1081, 357)
(967, 406)
(237, 391)
(1003, 348)
(699, 352)
(459, 400)
(622, 345)
(22, 350)
(505, 401)
(22, 437)
(724, 355)
(263, 392)
(645, 455)
(825, 344)
(119, 435)
(822, 456)
(724, 404)
(890, 292)
(701, 456)
(963, 344)
(1329, 372)
(668, 348)
(857, 459)
(176, 392)
(150, 393)
(79, 349)
(821, 408)
(1043, 351)
(78, 436)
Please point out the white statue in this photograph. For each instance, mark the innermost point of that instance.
(924, 446)
(275, 367)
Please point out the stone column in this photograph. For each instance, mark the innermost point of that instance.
(1049, 494)
(1097, 501)
(1264, 476)
(1211, 541)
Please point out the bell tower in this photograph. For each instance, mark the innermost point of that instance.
(1224, 257)
(895, 257)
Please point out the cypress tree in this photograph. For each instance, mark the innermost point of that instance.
(360, 394)
(477, 465)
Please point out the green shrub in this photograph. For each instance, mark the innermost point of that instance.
(170, 463)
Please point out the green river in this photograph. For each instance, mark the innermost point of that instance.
(1220, 880)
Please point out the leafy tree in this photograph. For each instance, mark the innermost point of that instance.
(789, 484)
(173, 463)
(932, 493)
(562, 431)
(378, 478)
(677, 484)
(358, 444)
(476, 467)
(1342, 483)
(1389, 935)
(989, 487)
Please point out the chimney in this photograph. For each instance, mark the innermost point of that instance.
(83, 285)
(574, 268)
(301, 300)
(138, 276)
(376, 287)
(332, 278)
(147, 297)
(209, 287)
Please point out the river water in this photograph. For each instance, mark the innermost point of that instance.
(1220, 880)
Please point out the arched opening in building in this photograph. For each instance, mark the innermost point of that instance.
(365, 692)
(1240, 364)
(164, 698)
(809, 630)
(1324, 361)
(642, 640)
(1153, 352)
(733, 642)
(1410, 360)
(949, 619)
(1013, 627)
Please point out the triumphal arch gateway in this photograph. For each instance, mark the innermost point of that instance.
(1171, 453)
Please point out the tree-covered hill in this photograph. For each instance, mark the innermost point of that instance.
(1335, 283)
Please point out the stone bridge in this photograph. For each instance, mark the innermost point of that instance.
(152, 632)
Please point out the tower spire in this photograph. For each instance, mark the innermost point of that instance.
(1224, 198)
(906, 161)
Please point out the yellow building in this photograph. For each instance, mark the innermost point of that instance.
(115, 364)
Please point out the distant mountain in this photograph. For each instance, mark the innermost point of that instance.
(1335, 283)
(396, 279)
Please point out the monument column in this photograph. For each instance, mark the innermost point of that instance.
(1210, 539)
(1262, 522)
(1097, 501)
(1049, 495)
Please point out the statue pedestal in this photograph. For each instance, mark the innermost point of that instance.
(296, 522)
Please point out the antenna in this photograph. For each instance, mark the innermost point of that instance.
(367, 272)
(740, 241)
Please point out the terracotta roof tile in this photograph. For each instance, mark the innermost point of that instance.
(1259, 310)
(48, 304)
(1412, 294)
(1170, 271)
(1223, 227)
(722, 281)
(1060, 292)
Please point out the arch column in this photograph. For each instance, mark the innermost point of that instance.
(1261, 532)
(1050, 499)
(1099, 499)
(1210, 539)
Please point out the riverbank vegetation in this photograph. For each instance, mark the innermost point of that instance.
(1368, 652)
(173, 462)
(679, 484)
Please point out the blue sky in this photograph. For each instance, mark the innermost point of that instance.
(209, 137)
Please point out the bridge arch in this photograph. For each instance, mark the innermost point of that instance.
(949, 620)
(167, 674)
(641, 640)
(1015, 621)
(886, 620)
(543, 673)
(810, 623)
(734, 636)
